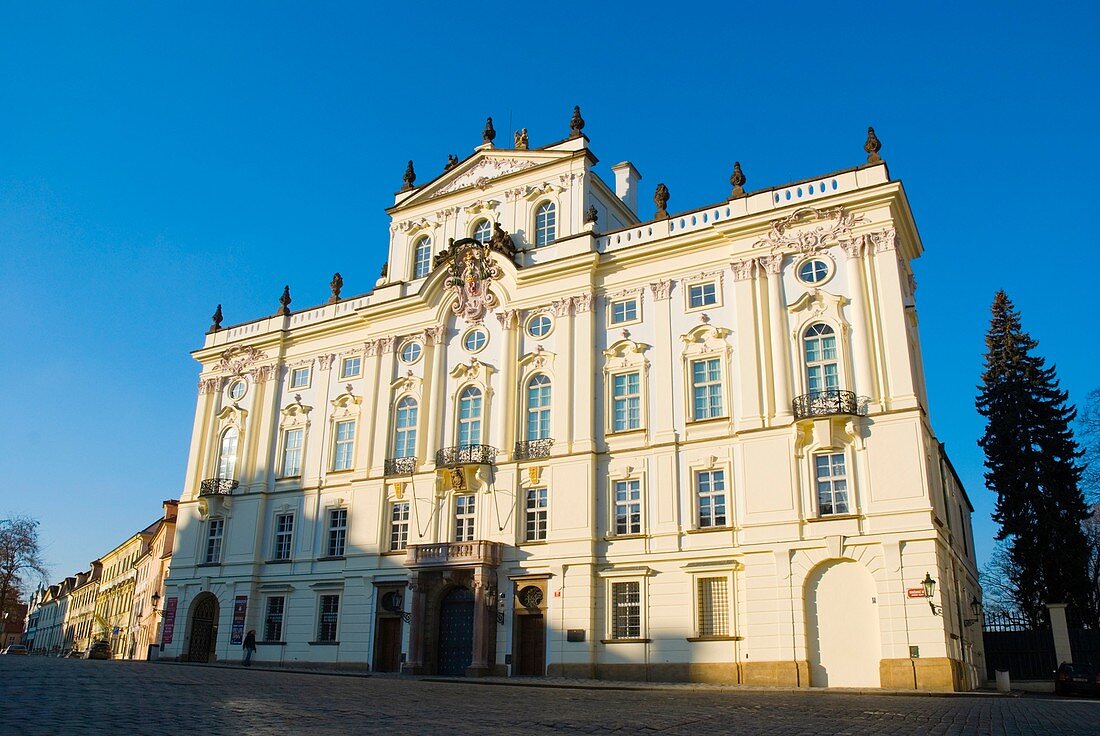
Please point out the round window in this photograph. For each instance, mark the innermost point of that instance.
(539, 326)
(410, 352)
(530, 596)
(813, 271)
(237, 389)
(475, 340)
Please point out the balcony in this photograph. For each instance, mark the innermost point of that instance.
(447, 554)
(533, 449)
(217, 486)
(830, 402)
(450, 457)
(399, 466)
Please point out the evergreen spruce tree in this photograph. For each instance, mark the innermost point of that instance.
(1032, 465)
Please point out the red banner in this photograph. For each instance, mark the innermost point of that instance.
(169, 620)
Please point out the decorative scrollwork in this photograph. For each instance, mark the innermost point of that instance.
(829, 402)
(448, 457)
(399, 465)
(533, 449)
(218, 486)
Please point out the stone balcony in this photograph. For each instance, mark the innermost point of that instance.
(454, 554)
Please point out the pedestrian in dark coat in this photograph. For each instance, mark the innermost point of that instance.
(249, 647)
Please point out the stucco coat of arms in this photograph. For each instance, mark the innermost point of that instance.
(472, 271)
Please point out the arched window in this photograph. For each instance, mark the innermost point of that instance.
(483, 231)
(423, 260)
(227, 454)
(469, 417)
(404, 439)
(819, 349)
(538, 408)
(545, 223)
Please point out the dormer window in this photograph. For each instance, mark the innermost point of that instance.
(422, 262)
(545, 223)
(483, 231)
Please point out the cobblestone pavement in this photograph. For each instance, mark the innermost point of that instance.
(60, 696)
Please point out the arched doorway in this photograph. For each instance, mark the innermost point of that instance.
(842, 628)
(204, 628)
(456, 632)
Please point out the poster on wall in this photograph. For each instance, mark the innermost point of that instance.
(169, 620)
(240, 608)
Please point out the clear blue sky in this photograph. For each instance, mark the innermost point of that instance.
(157, 159)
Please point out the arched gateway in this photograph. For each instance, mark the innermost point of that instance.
(842, 628)
(203, 638)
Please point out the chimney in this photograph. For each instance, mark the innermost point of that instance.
(626, 184)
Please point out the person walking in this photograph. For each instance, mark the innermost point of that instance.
(249, 647)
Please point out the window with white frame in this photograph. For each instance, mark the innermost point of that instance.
(465, 516)
(819, 350)
(215, 530)
(292, 452)
(299, 377)
(273, 618)
(832, 483)
(626, 401)
(343, 445)
(328, 615)
(337, 532)
(624, 311)
(702, 295)
(410, 351)
(536, 515)
(422, 261)
(626, 610)
(545, 224)
(538, 407)
(227, 454)
(399, 525)
(710, 493)
(628, 506)
(469, 417)
(404, 434)
(483, 231)
(706, 389)
(284, 536)
(712, 606)
(351, 367)
(539, 325)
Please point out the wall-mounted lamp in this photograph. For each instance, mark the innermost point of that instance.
(929, 586)
(976, 609)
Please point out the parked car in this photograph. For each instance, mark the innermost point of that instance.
(99, 650)
(1082, 679)
(15, 649)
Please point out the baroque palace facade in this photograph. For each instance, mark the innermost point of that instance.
(556, 439)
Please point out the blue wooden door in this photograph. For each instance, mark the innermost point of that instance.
(456, 632)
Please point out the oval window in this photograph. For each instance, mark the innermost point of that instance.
(410, 352)
(237, 390)
(539, 326)
(475, 340)
(813, 271)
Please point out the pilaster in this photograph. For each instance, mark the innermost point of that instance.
(861, 351)
(748, 404)
(777, 324)
(664, 411)
(583, 374)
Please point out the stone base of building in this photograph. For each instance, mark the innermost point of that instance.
(935, 674)
(782, 673)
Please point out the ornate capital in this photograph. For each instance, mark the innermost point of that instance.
(772, 264)
(509, 318)
(853, 247)
(385, 344)
(662, 289)
(744, 270)
(561, 307)
(324, 362)
(265, 373)
(582, 302)
(208, 385)
(885, 239)
(435, 335)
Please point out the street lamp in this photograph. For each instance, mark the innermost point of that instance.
(929, 586)
(976, 609)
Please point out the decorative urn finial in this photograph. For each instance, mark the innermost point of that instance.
(737, 179)
(591, 215)
(660, 198)
(452, 161)
(409, 178)
(576, 123)
(872, 146)
(336, 285)
(216, 320)
(284, 302)
(521, 139)
(489, 133)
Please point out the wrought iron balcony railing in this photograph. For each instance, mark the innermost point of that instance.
(533, 449)
(448, 457)
(829, 402)
(399, 465)
(218, 486)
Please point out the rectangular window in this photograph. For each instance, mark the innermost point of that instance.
(292, 452)
(626, 409)
(628, 507)
(832, 484)
(273, 618)
(626, 610)
(326, 622)
(537, 507)
(465, 510)
(299, 378)
(337, 532)
(284, 535)
(350, 367)
(706, 388)
(714, 606)
(624, 310)
(710, 489)
(702, 295)
(399, 526)
(345, 442)
(214, 531)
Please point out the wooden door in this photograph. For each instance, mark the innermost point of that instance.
(387, 645)
(456, 632)
(531, 647)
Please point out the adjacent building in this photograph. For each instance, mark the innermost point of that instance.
(562, 436)
(150, 570)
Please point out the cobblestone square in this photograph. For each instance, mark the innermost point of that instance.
(54, 696)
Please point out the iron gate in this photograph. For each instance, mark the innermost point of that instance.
(1013, 644)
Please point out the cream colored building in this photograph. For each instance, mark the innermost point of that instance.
(80, 617)
(150, 570)
(565, 436)
(115, 595)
